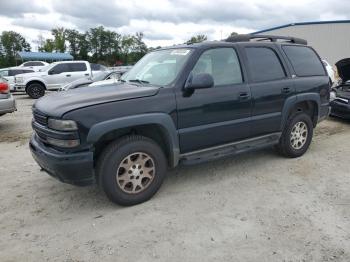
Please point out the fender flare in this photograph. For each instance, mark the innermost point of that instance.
(35, 80)
(163, 120)
(293, 100)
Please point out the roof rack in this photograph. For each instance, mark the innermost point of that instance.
(272, 38)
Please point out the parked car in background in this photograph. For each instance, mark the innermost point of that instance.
(36, 65)
(340, 95)
(120, 69)
(10, 73)
(7, 102)
(330, 71)
(52, 77)
(98, 67)
(97, 77)
(204, 101)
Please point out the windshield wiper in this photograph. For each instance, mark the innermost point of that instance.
(139, 81)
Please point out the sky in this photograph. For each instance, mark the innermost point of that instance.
(164, 22)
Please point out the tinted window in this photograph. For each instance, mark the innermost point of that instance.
(27, 71)
(60, 68)
(304, 60)
(15, 72)
(77, 67)
(264, 64)
(222, 64)
(33, 64)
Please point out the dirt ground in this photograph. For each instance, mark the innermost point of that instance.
(252, 207)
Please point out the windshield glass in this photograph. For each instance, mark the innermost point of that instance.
(159, 67)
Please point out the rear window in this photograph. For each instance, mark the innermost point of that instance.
(304, 61)
(264, 64)
(77, 67)
(33, 64)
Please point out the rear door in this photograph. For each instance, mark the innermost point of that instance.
(78, 70)
(271, 84)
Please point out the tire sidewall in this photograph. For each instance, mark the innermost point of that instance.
(301, 117)
(109, 168)
(29, 91)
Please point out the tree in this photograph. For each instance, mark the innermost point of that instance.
(73, 36)
(12, 43)
(59, 34)
(197, 39)
(49, 46)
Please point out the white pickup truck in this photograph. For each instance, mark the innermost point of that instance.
(52, 77)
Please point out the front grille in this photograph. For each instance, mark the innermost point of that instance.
(40, 119)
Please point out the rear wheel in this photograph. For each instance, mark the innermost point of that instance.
(35, 90)
(297, 135)
(131, 170)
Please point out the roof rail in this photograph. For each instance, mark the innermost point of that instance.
(272, 38)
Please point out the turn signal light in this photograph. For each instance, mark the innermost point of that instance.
(4, 88)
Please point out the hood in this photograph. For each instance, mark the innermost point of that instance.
(59, 103)
(33, 74)
(78, 82)
(343, 67)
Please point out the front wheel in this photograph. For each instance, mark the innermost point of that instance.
(35, 90)
(297, 136)
(131, 170)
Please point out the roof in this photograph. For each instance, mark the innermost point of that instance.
(304, 23)
(44, 56)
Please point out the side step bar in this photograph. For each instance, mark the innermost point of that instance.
(234, 148)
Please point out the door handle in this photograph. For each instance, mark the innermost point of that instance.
(243, 96)
(87, 74)
(286, 90)
(68, 75)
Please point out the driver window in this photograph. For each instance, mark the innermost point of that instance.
(222, 64)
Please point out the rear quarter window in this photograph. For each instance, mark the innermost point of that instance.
(304, 61)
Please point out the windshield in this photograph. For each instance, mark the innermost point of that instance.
(158, 68)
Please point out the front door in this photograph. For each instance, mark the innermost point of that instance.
(217, 115)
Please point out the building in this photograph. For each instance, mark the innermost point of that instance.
(329, 38)
(42, 56)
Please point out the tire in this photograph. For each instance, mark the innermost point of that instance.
(298, 145)
(35, 90)
(120, 175)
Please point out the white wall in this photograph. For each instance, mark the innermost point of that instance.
(331, 41)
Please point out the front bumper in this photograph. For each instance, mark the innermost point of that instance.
(18, 87)
(72, 168)
(340, 109)
(7, 105)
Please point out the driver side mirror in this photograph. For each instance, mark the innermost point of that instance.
(199, 81)
(52, 72)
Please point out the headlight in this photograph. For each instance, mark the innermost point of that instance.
(63, 143)
(19, 79)
(62, 125)
(332, 96)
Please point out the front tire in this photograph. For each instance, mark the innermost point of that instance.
(35, 90)
(297, 136)
(131, 170)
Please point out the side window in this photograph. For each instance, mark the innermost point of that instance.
(27, 64)
(222, 64)
(60, 68)
(264, 64)
(14, 72)
(27, 71)
(304, 61)
(4, 73)
(77, 67)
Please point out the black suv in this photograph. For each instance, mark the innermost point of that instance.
(182, 105)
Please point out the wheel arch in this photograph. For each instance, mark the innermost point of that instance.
(308, 102)
(157, 126)
(35, 81)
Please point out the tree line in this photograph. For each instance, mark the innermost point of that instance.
(96, 45)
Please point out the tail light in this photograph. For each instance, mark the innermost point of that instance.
(4, 88)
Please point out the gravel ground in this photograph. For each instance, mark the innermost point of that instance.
(252, 207)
